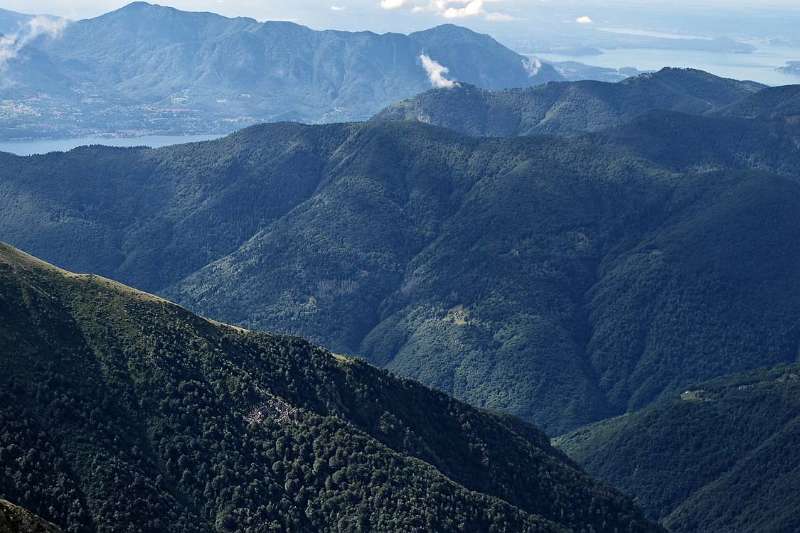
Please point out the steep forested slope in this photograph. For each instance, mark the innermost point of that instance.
(721, 456)
(152, 217)
(570, 108)
(15, 519)
(121, 411)
(563, 281)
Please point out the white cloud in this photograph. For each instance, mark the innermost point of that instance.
(450, 9)
(10, 45)
(456, 9)
(436, 73)
(393, 4)
(499, 17)
(584, 20)
(532, 66)
(338, 8)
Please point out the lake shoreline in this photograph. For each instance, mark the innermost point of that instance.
(32, 147)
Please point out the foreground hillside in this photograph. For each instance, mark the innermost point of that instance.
(721, 456)
(563, 281)
(148, 68)
(120, 411)
(571, 108)
(15, 519)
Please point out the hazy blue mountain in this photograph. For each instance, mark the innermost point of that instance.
(120, 411)
(157, 69)
(570, 108)
(719, 456)
(10, 21)
(562, 280)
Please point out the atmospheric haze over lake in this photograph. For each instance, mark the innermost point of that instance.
(45, 146)
(761, 65)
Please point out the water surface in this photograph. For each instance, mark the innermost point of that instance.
(45, 146)
(760, 66)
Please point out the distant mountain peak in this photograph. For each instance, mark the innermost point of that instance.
(667, 72)
(688, 73)
(283, 25)
(452, 27)
(451, 31)
(148, 10)
(138, 6)
(138, 9)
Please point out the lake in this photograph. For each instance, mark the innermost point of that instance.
(62, 145)
(759, 66)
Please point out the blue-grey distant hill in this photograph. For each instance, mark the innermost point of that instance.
(10, 21)
(147, 68)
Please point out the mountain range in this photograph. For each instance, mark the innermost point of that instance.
(571, 108)
(120, 411)
(719, 456)
(555, 278)
(152, 69)
(615, 263)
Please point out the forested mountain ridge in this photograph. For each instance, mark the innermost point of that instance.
(774, 103)
(704, 459)
(381, 240)
(123, 411)
(147, 68)
(570, 108)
